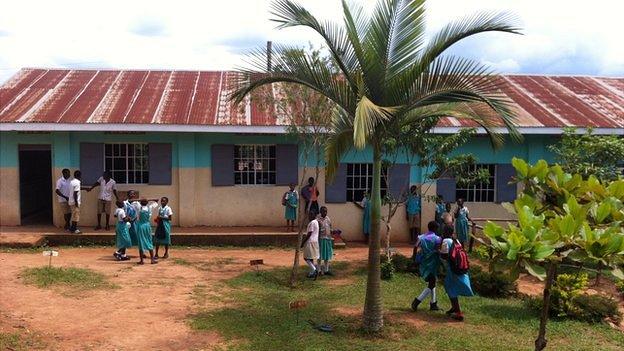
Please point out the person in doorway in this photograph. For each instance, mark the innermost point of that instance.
(413, 207)
(63, 192)
(74, 202)
(427, 248)
(107, 190)
(310, 194)
(310, 245)
(291, 203)
(326, 242)
(440, 208)
(455, 284)
(122, 237)
(144, 230)
(162, 236)
(461, 221)
(365, 204)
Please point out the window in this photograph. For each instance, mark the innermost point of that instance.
(360, 180)
(127, 162)
(479, 192)
(254, 164)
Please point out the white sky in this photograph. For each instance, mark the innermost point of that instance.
(561, 37)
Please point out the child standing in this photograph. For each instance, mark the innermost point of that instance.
(461, 221)
(326, 242)
(122, 236)
(427, 249)
(439, 211)
(291, 203)
(412, 206)
(366, 216)
(130, 207)
(163, 229)
(310, 245)
(455, 284)
(144, 230)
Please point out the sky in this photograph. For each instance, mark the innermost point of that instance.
(567, 37)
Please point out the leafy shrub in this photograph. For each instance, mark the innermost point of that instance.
(387, 270)
(491, 284)
(620, 286)
(594, 308)
(566, 288)
(481, 252)
(403, 264)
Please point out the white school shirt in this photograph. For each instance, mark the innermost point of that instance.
(166, 211)
(464, 210)
(120, 214)
(446, 245)
(74, 186)
(313, 227)
(106, 189)
(63, 185)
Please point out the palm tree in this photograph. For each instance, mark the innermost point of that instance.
(383, 75)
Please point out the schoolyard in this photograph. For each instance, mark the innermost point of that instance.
(211, 299)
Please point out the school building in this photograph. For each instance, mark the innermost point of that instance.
(175, 134)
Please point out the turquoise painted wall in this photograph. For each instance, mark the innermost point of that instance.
(193, 149)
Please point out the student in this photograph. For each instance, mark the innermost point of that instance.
(63, 191)
(131, 207)
(122, 237)
(163, 229)
(291, 203)
(447, 221)
(144, 229)
(439, 211)
(310, 245)
(108, 188)
(455, 284)
(461, 221)
(326, 242)
(366, 216)
(413, 206)
(310, 194)
(75, 202)
(427, 248)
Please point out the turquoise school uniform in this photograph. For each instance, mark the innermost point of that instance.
(461, 225)
(455, 284)
(132, 231)
(144, 229)
(163, 230)
(413, 204)
(292, 202)
(366, 218)
(439, 211)
(122, 236)
(430, 259)
(326, 242)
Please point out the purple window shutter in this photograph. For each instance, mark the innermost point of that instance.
(505, 192)
(398, 178)
(336, 191)
(91, 162)
(286, 164)
(159, 163)
(222, 165)
(447, 188)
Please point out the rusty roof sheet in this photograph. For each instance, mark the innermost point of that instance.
(201, 98)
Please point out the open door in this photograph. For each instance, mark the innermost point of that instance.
(35, 179)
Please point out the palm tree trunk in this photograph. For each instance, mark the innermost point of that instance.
(373, 314)
(540, 342)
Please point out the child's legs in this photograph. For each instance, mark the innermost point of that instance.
(310, 264)
(157, 247)
(431, 284)
(455, 304)
(166, 249)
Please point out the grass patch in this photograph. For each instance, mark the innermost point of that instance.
(71, 277)
(208, 265)
(20, 341)
(261, 319)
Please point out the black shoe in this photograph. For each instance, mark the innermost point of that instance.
(124, 258)
(434, 307)
(450, 312)
(415, 304)
(329, 273)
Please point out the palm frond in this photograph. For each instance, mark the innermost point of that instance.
(367, 117)
(339, 141)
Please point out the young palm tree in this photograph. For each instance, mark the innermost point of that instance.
(383, 75)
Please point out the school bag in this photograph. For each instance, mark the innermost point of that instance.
(458, 259)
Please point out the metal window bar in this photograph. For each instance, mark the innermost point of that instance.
(254, 164)
(127, 162)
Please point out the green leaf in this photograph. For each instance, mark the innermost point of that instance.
(493, 230)
(535, 270)
(541, 251)
(539, 171)
(617, 273)
(521, 167)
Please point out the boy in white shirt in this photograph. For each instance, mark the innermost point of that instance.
(310, 245)
(63, 191)
(74, 202)
(108, 188)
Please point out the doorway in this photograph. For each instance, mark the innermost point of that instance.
(35, 179)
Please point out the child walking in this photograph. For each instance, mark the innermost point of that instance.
(144, 230)
(427, 247)
(122, 236)
(291, 203)
(162, 236)
(310, 245)
(455, 284)
(326, 242)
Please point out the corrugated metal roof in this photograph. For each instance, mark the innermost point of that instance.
(200, 98)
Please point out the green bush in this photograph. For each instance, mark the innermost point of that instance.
(481, 252)
(387, 270)
(403, 264)
(565, 289)
(594, 309)
(491, 284)
(620, 287)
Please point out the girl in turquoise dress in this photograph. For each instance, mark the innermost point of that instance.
(163, 229)
(291, 203)
(144, 230)
(326, 242)
(455, 284)
(461, 221)
(427, 247)
(131, 213)
(366, 217)
(122, 237)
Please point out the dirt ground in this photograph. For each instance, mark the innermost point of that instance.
(148, 310)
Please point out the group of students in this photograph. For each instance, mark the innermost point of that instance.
(443, 244)
(134, 227)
